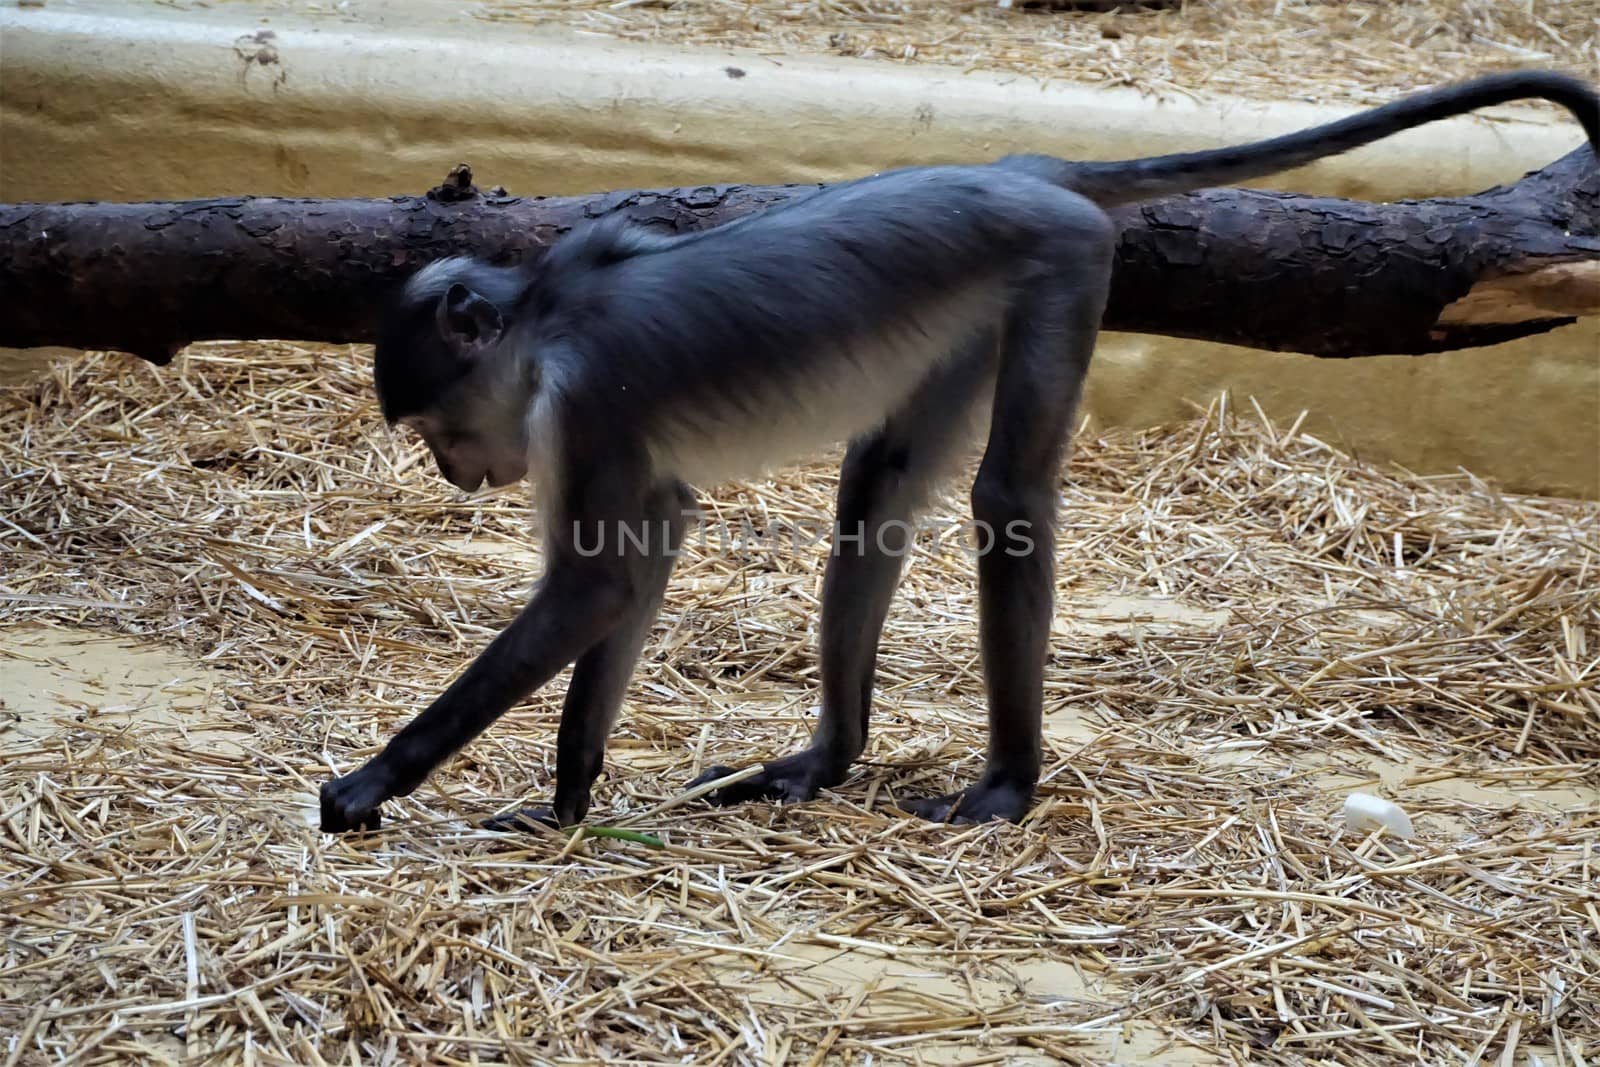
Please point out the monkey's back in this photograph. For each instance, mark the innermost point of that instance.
(838, 303)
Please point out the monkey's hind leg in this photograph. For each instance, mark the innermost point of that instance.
(1050, 334)
(886, 477)
(601, 676)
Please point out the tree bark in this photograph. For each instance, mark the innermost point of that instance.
(1274, 271)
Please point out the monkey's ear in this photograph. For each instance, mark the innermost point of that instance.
(467, 321)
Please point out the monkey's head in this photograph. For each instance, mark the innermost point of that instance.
(446, 366)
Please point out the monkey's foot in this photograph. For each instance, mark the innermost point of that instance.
(523, 820)
(351, 802)
(991, 797)
(790, 779)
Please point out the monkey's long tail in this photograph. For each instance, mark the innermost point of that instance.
(1122, 182)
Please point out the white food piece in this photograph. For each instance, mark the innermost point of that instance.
(1363, 812)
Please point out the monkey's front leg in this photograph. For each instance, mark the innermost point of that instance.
(578, 602)
(601, 677)
(594, 696)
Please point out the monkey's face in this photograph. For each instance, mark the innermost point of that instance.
(495, 453)
(445, 367)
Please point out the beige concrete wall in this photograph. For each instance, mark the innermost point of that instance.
(1525, 414)
(147, 101)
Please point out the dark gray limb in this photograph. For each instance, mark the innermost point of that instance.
(600, 678)
(885, 480)
(1049, 337)
(578, 602)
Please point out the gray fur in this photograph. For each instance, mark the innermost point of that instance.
(894, 312)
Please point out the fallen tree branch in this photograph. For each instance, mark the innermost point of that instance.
(1328, 277)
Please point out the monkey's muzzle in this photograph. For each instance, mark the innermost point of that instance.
(471, 482)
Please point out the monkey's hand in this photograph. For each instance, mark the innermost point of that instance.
(351, 802)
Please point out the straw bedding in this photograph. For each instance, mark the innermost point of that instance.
(1250, 625)
(1361, 52)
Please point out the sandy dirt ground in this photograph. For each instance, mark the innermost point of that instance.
(225, 582)
(57, 682)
